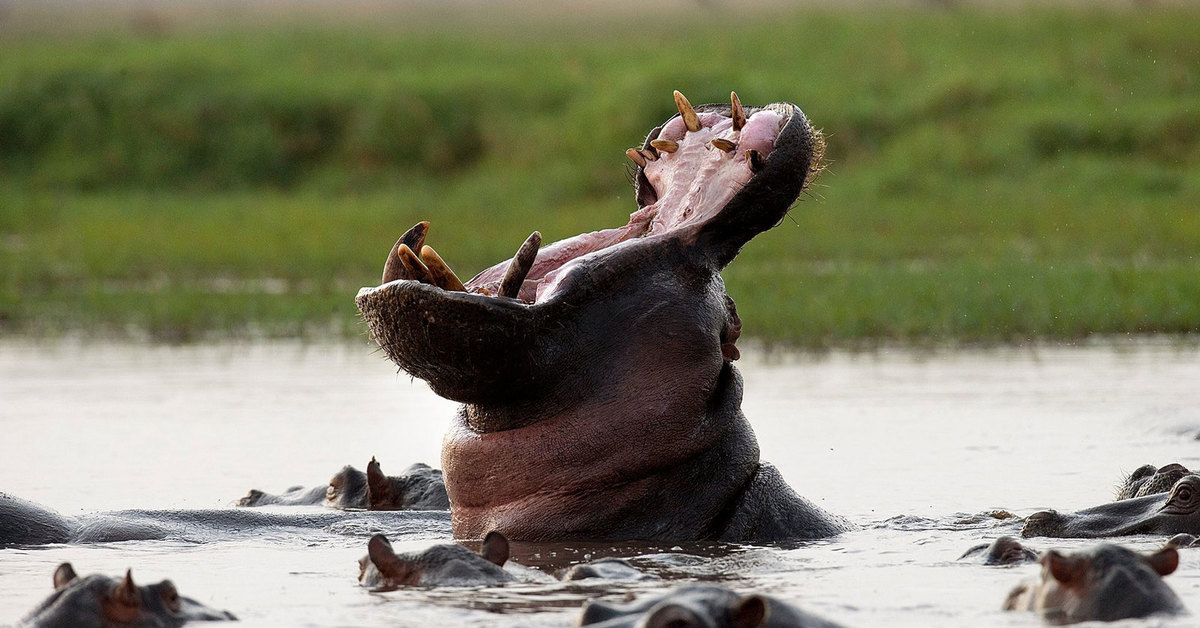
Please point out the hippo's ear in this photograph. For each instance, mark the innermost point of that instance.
(123, 603)
(379, 549)
(64, 575)
(1068, 570)
(1164, 561)
(495, 548)
(751, 612)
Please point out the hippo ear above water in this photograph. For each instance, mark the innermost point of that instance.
(751, 612)
(1067, 570)
(495, 548)
(123, 603)
(64, 575)
(391, 566)
(1164, 561)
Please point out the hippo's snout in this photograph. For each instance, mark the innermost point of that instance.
(1044, 523)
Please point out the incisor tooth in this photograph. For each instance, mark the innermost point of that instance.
(414, 268)
(649, 154)
(443, 276)
(739, 114)
(690, 119)
(665, 146)
(755, 159)
(636, 156)
(723, 144)
(518, 269)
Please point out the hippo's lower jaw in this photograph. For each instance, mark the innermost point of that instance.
(1162, 513)
(599, 398)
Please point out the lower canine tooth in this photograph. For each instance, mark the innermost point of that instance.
(413, 238)
(519, 267)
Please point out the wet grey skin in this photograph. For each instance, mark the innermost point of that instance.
(700, 606)
(1003, 551)
(99, 601)
(1163, 513)
(418, 487)
(605, 569)
(382, 569)
(1150, 480)
(1104, 583)
(599, 399)
(23, 522)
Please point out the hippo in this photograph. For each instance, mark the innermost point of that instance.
(418, 487)
(23, 522)
(1177, 511)
(103, 602)
(700, 606)
(448, 564)
(605, 569)
(1104, 583)
(1003, 551)
(599, 397)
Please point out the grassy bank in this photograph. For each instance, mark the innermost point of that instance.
(995, 175)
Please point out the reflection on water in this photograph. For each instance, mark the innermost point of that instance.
(926, 453)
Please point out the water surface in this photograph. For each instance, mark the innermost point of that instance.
(914, 448)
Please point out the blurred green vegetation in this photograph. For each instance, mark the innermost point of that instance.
(995, 175)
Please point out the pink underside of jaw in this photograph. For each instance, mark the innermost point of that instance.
(692, 183)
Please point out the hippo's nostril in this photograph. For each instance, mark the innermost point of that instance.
(1041, 523)
(1174, 467)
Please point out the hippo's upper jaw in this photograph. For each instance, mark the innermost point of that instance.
(707, 182)
(599, 398)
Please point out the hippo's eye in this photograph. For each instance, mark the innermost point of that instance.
(1184, 495)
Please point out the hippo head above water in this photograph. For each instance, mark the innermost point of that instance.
(599, 399)
(1177, 510)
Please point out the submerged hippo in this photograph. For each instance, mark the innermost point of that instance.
(441, 565)
(23, 522)
(103, 602)
(605, 569)
(1104, 583)
(1174, 512)
(700, 606)
(1003, 551)
(419, 487)
(599, 397)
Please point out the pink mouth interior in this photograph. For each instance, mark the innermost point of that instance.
(691, 185)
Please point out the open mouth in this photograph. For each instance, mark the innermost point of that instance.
(688, 171)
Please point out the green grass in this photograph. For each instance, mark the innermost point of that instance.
(995, 175)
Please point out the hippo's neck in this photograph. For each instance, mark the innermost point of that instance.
(595, 471)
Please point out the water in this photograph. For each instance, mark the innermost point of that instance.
(911, 447)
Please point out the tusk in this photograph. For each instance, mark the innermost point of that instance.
(689, 114)
(739, 114)
(755, 159)
(414, 268)
(443, 276)
(636, 156)
(665, 146)
(413, 239)
(649, 154)
(723, 144)
(519, 267)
